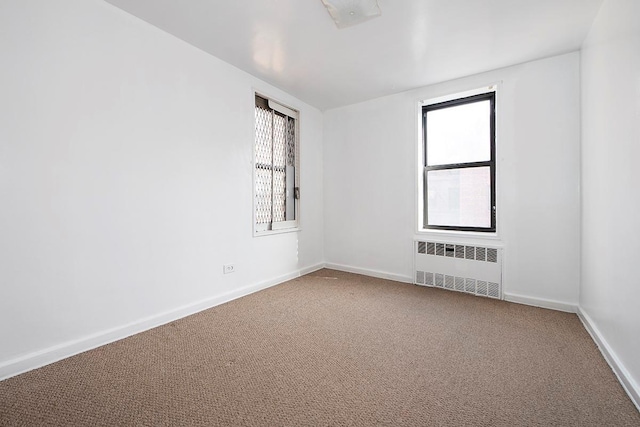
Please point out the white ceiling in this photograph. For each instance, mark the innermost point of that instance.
(294, 44)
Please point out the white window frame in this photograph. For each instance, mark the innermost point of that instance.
(287, 225)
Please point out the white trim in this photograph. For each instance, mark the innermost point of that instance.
(418, 177)
(624, 377)
(285, 226)
(371, 273)
(464, 94)
(541, 302)
(444, 234)
(282, 109)
(313, 268)
(276, 231)
(61, 351)
(459, 239)
(494, 86)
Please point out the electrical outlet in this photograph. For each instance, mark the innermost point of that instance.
(228, 268)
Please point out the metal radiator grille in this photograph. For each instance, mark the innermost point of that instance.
(431, 248)
(470, 269)
(458, 251)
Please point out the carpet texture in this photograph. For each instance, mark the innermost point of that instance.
(333, 349)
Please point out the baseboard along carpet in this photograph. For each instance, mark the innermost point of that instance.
(332, 349)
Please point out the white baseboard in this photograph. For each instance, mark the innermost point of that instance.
(541, 302)
(311, 269)
(624, 377)
(371, 273)
(61, 351)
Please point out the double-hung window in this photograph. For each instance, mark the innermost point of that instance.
(276, 171)
(459, 166)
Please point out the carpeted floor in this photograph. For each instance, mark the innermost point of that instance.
(334, 349)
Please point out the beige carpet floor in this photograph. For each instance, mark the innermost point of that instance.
(335, 349)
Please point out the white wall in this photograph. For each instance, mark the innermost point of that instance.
(126, 180)
(610, 289)
(370, 179)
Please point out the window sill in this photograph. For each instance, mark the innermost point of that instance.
(489, 239)
(272, 232)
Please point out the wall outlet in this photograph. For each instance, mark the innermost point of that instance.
(228, 268)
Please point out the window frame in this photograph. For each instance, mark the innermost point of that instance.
(276, 227)
(491, 163)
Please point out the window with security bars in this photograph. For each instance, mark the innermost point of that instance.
(276, 166)
(459, 164)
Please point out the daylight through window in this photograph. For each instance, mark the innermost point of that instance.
(459, 164)
(276, 166)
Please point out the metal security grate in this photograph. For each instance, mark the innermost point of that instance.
(279, 167)
(459, 251)
(264, 171)
(291, 142)
(422, 247)
(276, 173)
(480, 254)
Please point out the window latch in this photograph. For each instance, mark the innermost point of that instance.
(296, 193)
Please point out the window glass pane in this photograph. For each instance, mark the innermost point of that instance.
(459, 197)
(459, 134)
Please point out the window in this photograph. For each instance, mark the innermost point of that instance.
(276, 173)
(459, 164)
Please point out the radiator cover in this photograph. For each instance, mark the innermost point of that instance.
(471, 269)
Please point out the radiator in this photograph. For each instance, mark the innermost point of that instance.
(474, 270)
